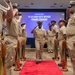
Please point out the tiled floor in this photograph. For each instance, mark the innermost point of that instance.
(30, 55)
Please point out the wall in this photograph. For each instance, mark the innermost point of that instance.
(30, 41)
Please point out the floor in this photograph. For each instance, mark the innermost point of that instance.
(30, 55)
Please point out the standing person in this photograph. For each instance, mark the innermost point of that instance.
(62, 38)
(5, 13)
(71, 35)
(55, 33)
(18, 16)
(24, 38)
(50, 39)
(55, 29)
(11, 39)
(40, 34)
(1, 63)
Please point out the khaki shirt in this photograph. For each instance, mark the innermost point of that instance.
(23, 33)
(11, 32)
(62, 31)
(20, 30)
(40, 34)
(49, 33)
(55, 29)
(1, 20)
(12, 27)
(71, 25)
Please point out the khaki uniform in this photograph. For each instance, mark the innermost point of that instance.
(71, 39)
(20, 30)
(11, 43)
(23, 44)
(55, 49)
(62, 31)
(54, 30)
(50, 39)
(1, 21)
(20, 37)
(24, 35)
(39, 38)
(62, 47)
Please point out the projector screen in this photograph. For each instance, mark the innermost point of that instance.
(31, 18)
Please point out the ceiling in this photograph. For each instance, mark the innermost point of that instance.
(41, 4)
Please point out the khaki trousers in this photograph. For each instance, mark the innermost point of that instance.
(50, 43)
(71, 48)
(11, 44)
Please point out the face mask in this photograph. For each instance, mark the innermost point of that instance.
(39, 27)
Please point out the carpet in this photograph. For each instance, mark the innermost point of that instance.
(44, 68)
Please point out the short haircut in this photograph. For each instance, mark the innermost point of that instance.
(19, 14)
(53, 21)
(22, 24)
(63, 22)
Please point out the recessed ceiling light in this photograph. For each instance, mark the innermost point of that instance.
(55, 3)
(32, 3)
(61, 5)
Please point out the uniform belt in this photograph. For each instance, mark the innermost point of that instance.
(11, 35)
(51, 36)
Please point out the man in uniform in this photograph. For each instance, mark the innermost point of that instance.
(24, 37)
(20, 31)
(50, 39)
(40, 35)
(55, 32)
(11, 39)
(71, 34)
(4, 13)
(61, 38)
(1, 64)
(17, 58)
(55, 28)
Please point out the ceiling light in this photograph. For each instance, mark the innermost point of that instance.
(55, 3)
(32, 3)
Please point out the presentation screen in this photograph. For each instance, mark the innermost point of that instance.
(31, 18)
